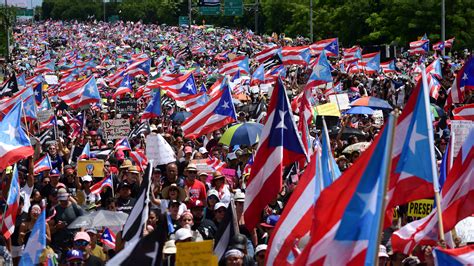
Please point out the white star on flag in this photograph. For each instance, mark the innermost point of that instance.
(414, 138)
(317, 70)
(370, 200)
(189, 87)
(11, 132)
(225, 105)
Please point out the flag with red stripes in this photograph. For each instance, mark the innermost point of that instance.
(465, 112)
(280, 146)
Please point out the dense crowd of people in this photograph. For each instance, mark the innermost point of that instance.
(190, 201)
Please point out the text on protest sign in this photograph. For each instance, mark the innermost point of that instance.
(460, 129)
(116, 128)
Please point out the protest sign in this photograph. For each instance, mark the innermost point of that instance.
(195, 253)
(229, 175)
(93, 168)
(202, 166)
(328, 109)
(44, 115)
(341, 100)
(116, 128)
(126, 105)
(420, 208)
(378, 117)
(158, 150)
(465, 229)
(51, 79)
(460, 129)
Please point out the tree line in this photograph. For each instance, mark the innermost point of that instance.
(364, 22)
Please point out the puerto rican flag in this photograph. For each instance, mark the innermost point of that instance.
(215, 114)
(43, 164)
(458, 256)
(38, 91)
(9, 218)
(353, 54)
(86, 152)
(140, 159)
(248, 166)
(464, 82)
(280, 145)
(267, 53)
(321, 72)
(98, 187)
(30, 109)
(299, 55)
(258, 76)
(439, 46)
(388, 67)
(331, 46)
(108, 238)
(371, 62)
(449, 43)
(216, 164)
(296, 219)
(465, 112)
(457, 196)
(356, 204)
(419, 47)
(184, 91)
(6, 104)
(116, 78)
(80, 93)
(411, 174)
(44, 67)
(153, 108)
(124, 88)
(240, 64)
(123, 145)
(139, 67)
(14, 143)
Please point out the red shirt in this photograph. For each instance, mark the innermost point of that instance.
(197, 191)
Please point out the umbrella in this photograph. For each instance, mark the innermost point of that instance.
(242, 134)
(347, 132)
(363, 110)
(373, 102)
(180, 116)
(98, 219)
(359, 146)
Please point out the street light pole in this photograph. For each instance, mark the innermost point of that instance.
(256, 16)
(104, 9)
(311, 19)
(443, 29)
(190, 9)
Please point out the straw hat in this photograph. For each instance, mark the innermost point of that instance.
(181, 192)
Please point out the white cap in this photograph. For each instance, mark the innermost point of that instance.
(183, 234)
(203, 150)
(86, 178)
(220, 205)
(239, 196)
(261, 247)
(213, 192)
(231, 156)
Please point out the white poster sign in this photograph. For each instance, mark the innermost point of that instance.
(341, 100)
(116, 128)
(159, 150)
(461, 129)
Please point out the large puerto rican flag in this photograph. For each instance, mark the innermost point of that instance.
(267, 53)
(240, 64)
(419, 47)
(215, 114)
(280, 145)
(458, 256)
(465, 112)
(14, 143)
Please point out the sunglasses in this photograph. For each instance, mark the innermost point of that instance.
(81, 243)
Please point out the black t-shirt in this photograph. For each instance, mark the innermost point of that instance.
(93, 261)
(125, 205)
(206, 228)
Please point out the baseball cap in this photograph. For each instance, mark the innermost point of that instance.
(213, 192)
(220, 205)
(197, 203)
(169, 247)
(74, 254)
(86, 178)
(271, 221)
(188, 149)
(261, 247)
(124, 184)
(183, 234)
(82, 236)
(54, 172)
(203, 150)
(62, 194)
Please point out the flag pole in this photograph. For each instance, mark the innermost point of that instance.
(434, 169)
(235, 223)
(392, 121)
(328, 143)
